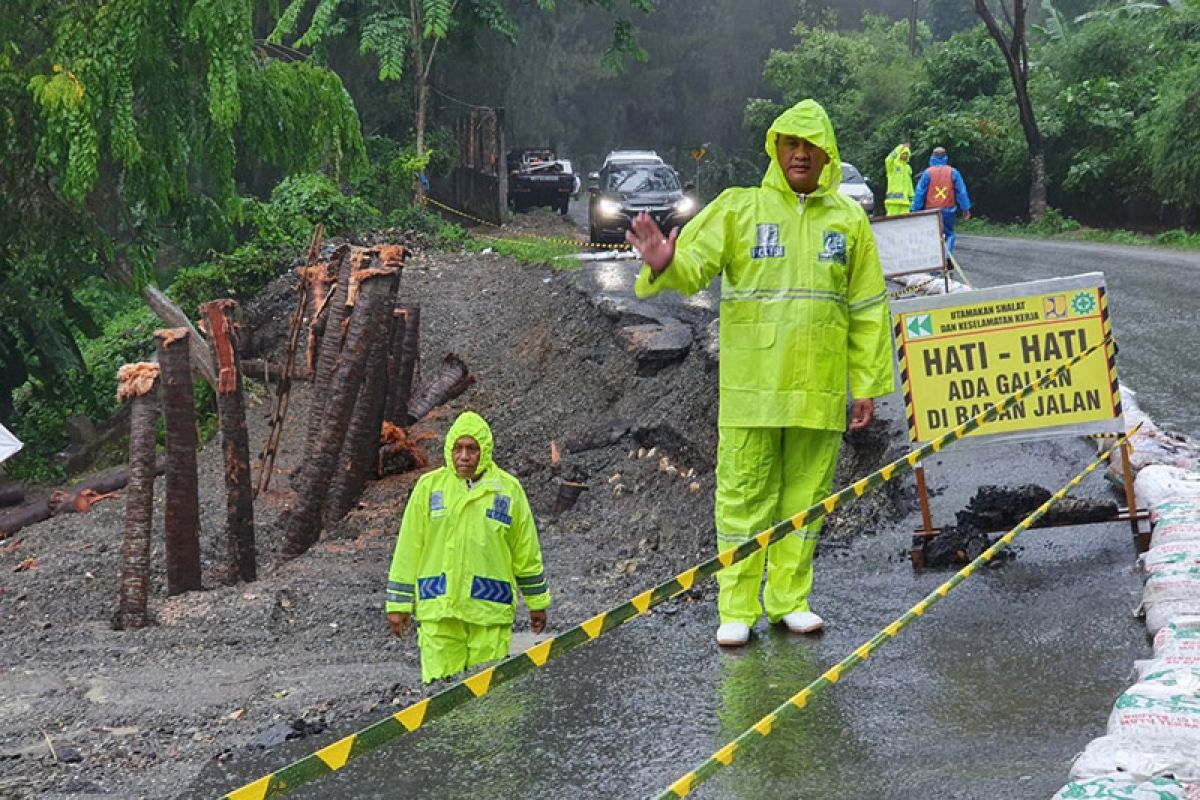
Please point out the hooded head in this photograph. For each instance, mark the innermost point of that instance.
(474, 426)
(805, 120)
(903, 152)
(938, 159)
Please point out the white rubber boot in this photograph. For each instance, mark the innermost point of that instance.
(733, 634)
(803, 622)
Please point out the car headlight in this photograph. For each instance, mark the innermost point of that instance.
(609, 208)
(685, 205)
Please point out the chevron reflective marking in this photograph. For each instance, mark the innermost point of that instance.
(864, 652)
(861, 487)
(943, 589)
(726, 558)
(252, 791)
(725, 754)
(764, 538)
(592, 626)
(913, 458)
(480, 683)
(642, 601)
(687, 578)
(888, 471)
(968, 570)
(936, 445)
(540, 652)
(763, 726)
(799, 520)
(795, 704)
(337, 754)
(412, 717)
(830, 503)
(683, 786)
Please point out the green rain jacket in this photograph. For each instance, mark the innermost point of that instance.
(462, 552)
(803, 302)
(899, 175)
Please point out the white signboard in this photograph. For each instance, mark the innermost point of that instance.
(910, 243)
(9, 444)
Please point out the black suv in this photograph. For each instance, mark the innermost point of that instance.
(624, 190)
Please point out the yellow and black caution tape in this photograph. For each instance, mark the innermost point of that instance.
(914, 288)
(519, 234)
(765, 726)
(335, 756)
(958, 268)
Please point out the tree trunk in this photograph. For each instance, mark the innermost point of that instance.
(235, 443)
(400, 388)
(137, 385)
(331, 347)
(1016, 58)
(182, 509)
(303, 523)
(451, 380)
(11, 494)
(360, 452)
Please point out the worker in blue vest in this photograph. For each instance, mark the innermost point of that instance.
(941, 187)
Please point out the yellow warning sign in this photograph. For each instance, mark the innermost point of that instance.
(960, 353)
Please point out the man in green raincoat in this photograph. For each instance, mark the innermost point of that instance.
(804, 316)
(467, 542)
(899, 181)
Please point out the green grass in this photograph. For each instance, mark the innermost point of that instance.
(536, 252)
(1054, 226)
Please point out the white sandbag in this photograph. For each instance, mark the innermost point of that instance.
(1159, 483)
(1154, 666)
(1173, 522)
(1151, 445)
(1118, 788)
(1169, 555)
(1115, 756)
(1180, 638)
(1161, 710)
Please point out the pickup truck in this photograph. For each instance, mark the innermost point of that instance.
(537, 177)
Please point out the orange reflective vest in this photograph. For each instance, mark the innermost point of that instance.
(940, 192)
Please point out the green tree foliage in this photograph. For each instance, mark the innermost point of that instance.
(123, 126)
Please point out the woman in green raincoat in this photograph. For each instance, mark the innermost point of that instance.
(804, 316)
(899, 181)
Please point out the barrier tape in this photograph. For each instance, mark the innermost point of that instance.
(519, 234)
(916, 287)
(765, 726)
(335, 756)
(958, 268)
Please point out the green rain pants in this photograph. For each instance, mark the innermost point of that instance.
(898, 206)
(449, 646)
(765, 475)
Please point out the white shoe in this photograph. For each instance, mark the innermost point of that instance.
(803, 622)
(733, 634)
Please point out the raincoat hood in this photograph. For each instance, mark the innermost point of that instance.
(903, 152)
(809, 121)
(470, 424)
(938, 161)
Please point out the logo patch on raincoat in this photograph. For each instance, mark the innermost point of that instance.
(768, 242)
(835, 247)
(437, 504)
(499, 509)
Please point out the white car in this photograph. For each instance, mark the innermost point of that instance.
(855, 186)
(632, 157)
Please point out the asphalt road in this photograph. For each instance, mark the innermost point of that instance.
(1153, 299)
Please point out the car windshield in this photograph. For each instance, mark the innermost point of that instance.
(636, 178)
(851, 175)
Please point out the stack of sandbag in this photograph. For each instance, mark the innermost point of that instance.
(1151, 445)
(1154, 728)
(1171, 567)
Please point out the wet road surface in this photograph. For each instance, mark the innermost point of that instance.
(1152, 297)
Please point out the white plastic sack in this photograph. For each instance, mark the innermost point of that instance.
(1118, 788)
(9, 444)
(1158, 483)
(1180, 638)
(1114, 756)
(1161, 710)
(1169, 556)
(1174, 522)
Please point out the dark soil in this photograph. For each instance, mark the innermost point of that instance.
(86, 711)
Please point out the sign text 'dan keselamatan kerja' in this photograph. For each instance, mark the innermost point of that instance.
(958, 353)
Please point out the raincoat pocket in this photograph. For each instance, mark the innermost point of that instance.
(746, 359)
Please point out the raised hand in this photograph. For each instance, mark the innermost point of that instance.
(656, 250)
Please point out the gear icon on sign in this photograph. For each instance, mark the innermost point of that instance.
(1083, 304)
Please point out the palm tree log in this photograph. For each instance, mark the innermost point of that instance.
(182, 511)
(137, 386)
(451, 380)
(235, 442)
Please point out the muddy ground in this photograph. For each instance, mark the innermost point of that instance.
(86, 711)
